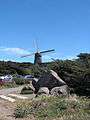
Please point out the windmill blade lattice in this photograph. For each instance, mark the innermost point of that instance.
(28, 55)
(47, 51)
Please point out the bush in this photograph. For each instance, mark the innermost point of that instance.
(49, 108)
(19, 81)
(23, 109)
(8, 85)
(20, 112)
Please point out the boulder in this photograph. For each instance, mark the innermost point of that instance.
(34, 81)
(49, 80)
(43, 90)
(28, 90)
(62, 90)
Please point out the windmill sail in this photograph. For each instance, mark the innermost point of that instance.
(36, 45)
(27, 55)
(47, 51)
(37, 54)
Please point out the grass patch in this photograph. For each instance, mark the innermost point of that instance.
(49, 108)
(8, 85)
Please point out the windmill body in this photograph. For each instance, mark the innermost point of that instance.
(38, 55)
(38, 58)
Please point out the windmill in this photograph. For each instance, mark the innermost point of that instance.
(38, 54)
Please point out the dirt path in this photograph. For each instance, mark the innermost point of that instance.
(6, 110)
(6, 107)
(10, 90)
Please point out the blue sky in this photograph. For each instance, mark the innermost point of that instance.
(60, 24)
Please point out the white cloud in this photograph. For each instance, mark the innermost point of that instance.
(15, 51)
(47, 58)
(69, 57)
(56, 56)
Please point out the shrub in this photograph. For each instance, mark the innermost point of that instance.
(19, 81)
(49, 108)
(23, 109)
(20, 112)
(10, 85)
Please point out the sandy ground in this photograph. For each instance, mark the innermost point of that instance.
(11, 90)
(7, 111)
(7, 108)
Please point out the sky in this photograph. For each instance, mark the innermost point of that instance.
(63, 25)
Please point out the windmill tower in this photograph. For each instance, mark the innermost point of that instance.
(38, 54)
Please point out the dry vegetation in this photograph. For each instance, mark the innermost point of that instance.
(54, 108)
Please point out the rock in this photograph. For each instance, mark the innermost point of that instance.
(34, 81)
(32, 88)
(43, 90)
(49, 80)
(28, 90)
(57, 91)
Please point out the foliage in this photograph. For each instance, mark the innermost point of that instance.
(37, 70)
(76, 73)
(50, 108)
(8, 85)
(20, 112)
(14, 68)
(19, 81)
